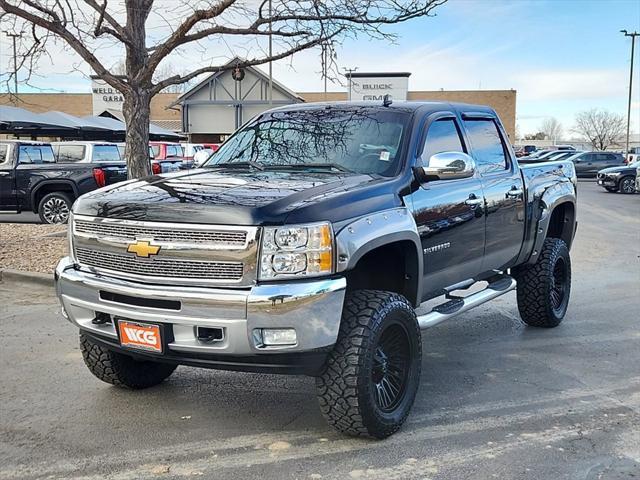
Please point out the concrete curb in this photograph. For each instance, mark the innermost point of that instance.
(10, 275)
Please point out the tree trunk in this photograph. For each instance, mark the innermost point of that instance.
(137, 113)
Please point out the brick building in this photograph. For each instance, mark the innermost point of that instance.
(167, 111)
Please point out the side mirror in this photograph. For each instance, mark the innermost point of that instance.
(447, 166)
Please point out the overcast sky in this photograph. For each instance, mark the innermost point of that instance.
(562, 56)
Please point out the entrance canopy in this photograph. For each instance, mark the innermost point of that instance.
(21, 122)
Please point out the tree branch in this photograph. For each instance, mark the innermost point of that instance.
(55, 26)
(177, 79)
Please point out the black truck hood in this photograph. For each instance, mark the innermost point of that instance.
(242, 197)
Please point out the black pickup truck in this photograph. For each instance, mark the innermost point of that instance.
(305, 243)
(33, 179)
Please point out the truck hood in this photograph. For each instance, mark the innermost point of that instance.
(241, 197)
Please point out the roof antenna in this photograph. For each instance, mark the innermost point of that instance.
(387, 100)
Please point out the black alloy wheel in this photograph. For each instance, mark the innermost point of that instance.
(391, 368)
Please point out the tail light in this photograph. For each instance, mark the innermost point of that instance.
(99, 177)
(156, 169)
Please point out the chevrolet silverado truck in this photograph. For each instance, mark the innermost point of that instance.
(305, 244)
(34, 177)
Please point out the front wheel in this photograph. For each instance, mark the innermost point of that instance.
(627, 185)
(371, 377)
(544, 287)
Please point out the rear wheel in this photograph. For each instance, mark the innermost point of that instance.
(627, 185)
(371, 377)
(544, 287)
(122, 370)
(55, 207)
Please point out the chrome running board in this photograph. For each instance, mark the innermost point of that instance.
(498, 286)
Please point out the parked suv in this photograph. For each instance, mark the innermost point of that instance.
(33, 178)
(589, 163)
(305, 243)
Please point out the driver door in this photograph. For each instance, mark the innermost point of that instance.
(8, 193)
(449, 214)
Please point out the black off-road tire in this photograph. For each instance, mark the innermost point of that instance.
(627, 185)
(55, 207)
(543, 288)
(122, 370)
(348, 389)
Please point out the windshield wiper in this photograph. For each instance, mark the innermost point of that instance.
(249, 163)
(311, 166)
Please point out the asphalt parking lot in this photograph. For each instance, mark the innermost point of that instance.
(497, 399)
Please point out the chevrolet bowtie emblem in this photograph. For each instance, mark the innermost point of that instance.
(143, 249)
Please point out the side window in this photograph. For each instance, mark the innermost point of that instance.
(442, 136)
(3, 153)
(69, 153)
(156, 150)
(488, 149)
(105, 153)
(35, 154)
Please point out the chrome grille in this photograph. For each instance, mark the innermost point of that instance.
(130, 233)
(160, 267)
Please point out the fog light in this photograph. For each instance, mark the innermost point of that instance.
(279, 336)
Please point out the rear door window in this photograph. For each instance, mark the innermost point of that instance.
(443, 136)
(488, 149)
(105, 153)
(174, 151)
(69, 153)
(35, 154)
(3, 153)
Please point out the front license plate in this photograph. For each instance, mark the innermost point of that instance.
(141, 336)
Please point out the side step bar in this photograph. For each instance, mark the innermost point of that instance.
(498, 286)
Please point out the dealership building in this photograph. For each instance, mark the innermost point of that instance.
(220, 103)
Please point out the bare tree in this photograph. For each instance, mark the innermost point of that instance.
(552, 128)
(148, 33)
(600, 127)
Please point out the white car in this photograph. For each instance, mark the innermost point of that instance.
(190, 149)
(86, 152)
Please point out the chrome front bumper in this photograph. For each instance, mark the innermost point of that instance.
(313, 308)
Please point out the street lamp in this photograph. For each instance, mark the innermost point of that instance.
(633, 36)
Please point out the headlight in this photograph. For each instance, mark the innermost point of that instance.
(296, 251)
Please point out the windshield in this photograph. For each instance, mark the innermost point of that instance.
(364, 140)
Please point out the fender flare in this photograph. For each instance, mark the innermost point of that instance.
(367, 233)
(551, 198)
(44, 183)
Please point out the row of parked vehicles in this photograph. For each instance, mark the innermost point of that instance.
(613, 171)
(46, 177)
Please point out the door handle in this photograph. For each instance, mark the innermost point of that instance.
(514, 192)
(473, 200)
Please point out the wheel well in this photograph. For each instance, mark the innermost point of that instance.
(50, 188)
(392, 267)
(561, 222)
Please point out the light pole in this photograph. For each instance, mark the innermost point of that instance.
(350, 71)
(633, 36)
(15, 60)
(270, 56)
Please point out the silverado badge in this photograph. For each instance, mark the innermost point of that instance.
(143, 249)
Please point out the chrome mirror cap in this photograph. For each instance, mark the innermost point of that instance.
(448, 166)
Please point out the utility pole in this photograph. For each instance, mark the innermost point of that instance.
(348, 73)
(324, 68)
(15, 61)
(633, 36)
(270, 55)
